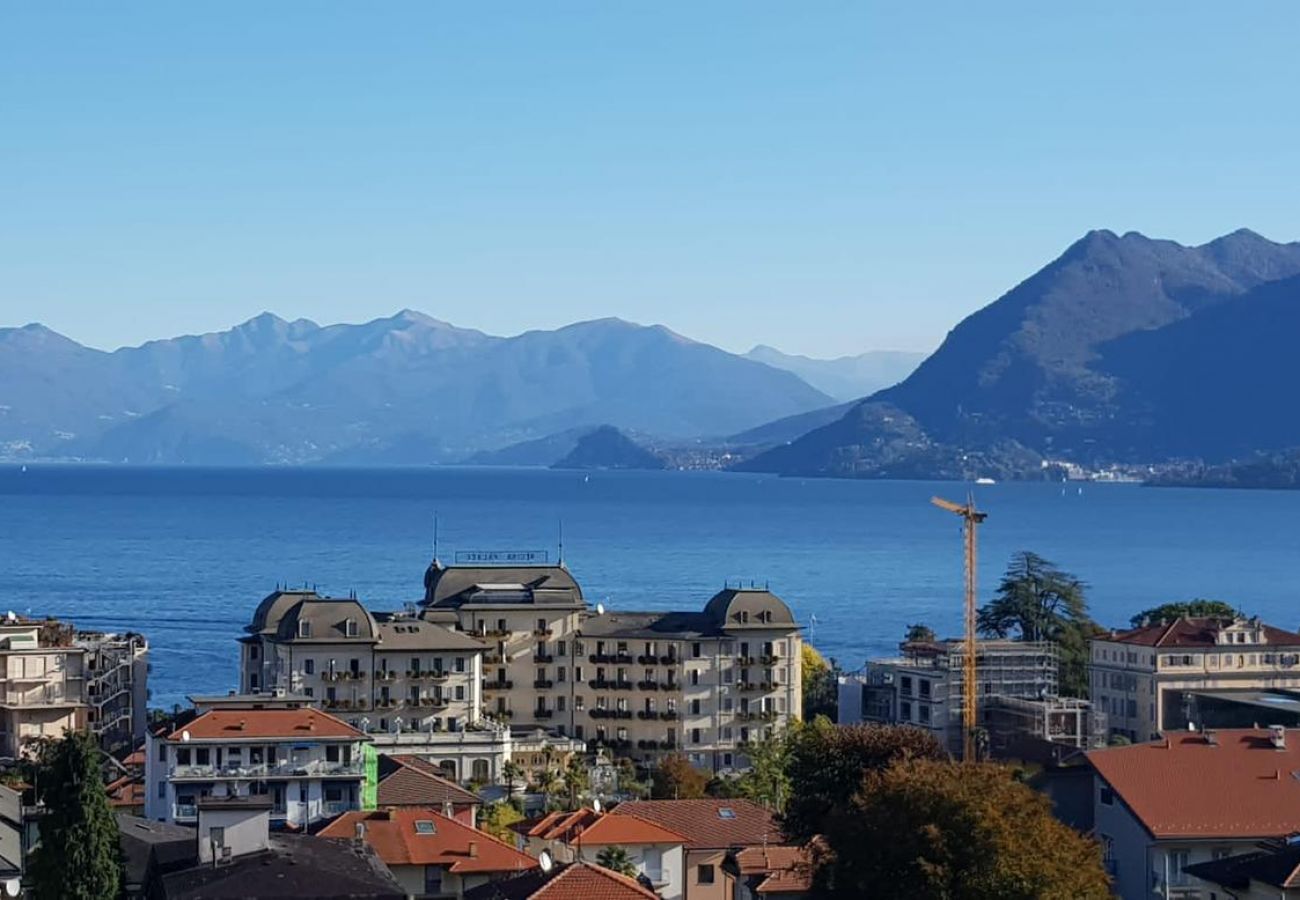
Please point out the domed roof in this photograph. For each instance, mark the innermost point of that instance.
(749, 608)
(327, 619)
(267, 616)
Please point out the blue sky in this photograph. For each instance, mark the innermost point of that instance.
(827, 177)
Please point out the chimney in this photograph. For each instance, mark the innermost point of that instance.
(1211, 737)
(1277, 736)
(473, 849)
(447, 808)
(360, 837)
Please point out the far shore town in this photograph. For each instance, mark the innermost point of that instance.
(502, 737)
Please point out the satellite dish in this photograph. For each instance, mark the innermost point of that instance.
(543, 859)
(185, 735)
(595, 805)
(13, 887)
(600, 609)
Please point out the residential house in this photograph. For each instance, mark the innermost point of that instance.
(232, 853)
(776, 872)
(1270, 873)
(564, 881)
(307, 763)
(657, 853)
(44, 689)
(712, 828)
(1187, 798)
(1145, 679)
(413, 781)
(428, 853)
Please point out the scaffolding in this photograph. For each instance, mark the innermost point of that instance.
(1012, 722)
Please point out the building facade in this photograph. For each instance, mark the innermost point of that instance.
(117, 688)
(44, 691)
(306, 764)
(1141, 677)
(923, 686)
(495, 656)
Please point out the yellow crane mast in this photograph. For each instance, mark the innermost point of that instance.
(971, 519)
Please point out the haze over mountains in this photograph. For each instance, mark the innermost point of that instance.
(406, 389)
(1123, 349)
(846, 377)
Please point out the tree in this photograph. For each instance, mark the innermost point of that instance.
(826, 762)
(957, 831)
(767, 782)
(616, 859)
(548, 783)
(820, 684)
(676, 779)
(497, 818)
(79, 856)
(1198, 608)
(513, 773)
(576, 779)
(919, 634)
(1036, 601)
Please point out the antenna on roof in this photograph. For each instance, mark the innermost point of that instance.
(435, 535)
(561, 559)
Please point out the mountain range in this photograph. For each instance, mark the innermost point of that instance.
(404, 389)
(846, 377)
(1124, 349)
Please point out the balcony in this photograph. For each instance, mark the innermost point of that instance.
(624, 659)
(543, 684)
(543, 632)
(498, 685)
(434, 674)
(647, 714)
(670, 686)
(185, 812)
(648, 685)
(336, 807)
(317, 768)
(647, 660)
(669, 715)
(543, 713)
(385, 674)
(769, 660)
(669, 660)
(543, 657)
(747, 661)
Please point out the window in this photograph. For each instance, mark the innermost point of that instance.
(578, 703)
(331, 694)
(304, 628)
(695, 707)
(1107, 796)
(695, 676)
(415, 665)
(925, 714)
(560, 673)
(309, 666)
(560, 703)
(460, 692)
(501, 625)
(162, 752)
(695, 650)
(350, 627)
(704, 874)
(433, 879)
(905, 685)
(252, 651)
(561, 648)
(1177, 863)
(162, 790)
(541, 624)
(925, 687)
(695, 735)
(354, 666)
(459, 664)
(905, 711)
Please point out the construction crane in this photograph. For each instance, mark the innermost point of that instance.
(971, 520)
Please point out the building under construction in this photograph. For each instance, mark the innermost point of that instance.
(923, 686)
(117, 693)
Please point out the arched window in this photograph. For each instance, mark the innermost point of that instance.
(448, 768)
(481, 771)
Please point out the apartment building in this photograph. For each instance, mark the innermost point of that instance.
(1143, 678)
(1167, 807)
(307, 764)
(44, 689)
(117, 691)
(923, 686)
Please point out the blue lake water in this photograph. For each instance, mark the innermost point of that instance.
(185, 554)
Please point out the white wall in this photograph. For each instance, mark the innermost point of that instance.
(670, 883)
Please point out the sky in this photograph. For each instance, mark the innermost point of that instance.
(824, 177)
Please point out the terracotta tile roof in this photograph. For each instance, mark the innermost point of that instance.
(576, 881)
(1197, 632)
(134, 758)
(788, 868)
(240, 724)
(397, 839)
(707, 824)
(412, 781)
(558, 826)
(1167, 784)
(126, 791)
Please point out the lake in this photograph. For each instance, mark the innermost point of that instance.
(184, 555)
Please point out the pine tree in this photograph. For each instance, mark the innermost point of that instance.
(79, 856)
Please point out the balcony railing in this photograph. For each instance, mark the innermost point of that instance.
(336, 807)
(183, 812)
(543, 684)
(604, 684)
(614, 658)
(498, 685)
(543, 657)
(648, 685)
(309, 769)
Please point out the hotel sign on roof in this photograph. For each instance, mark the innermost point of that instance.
(501, 557)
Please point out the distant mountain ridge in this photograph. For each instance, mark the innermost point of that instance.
(1121, 349)
(404, 389)
(846, 377)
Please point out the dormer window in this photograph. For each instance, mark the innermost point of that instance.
(304, 628)
(744, 618)
(350, 627)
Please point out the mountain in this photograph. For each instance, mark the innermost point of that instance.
(608, 448)
(1109, 353)
(402, 389)
(845, 377)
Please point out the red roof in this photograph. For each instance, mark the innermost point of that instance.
(575, 881)
(240, 724)
(422, 837)
(1197, 632)
(417, 782)
(126, 791)
(1240, 786)
(708, 823)
(559, 825)
(788, 868)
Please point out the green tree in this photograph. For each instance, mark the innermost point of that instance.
(513, 774)
(767, 782)
(820, 684)
(1036, 601)
(919, 634)
(955, 831)
(825, 764)
(676, 779)
(1168, 612)
(577, 779)
(79, 856)
(496, 819)
(616, 859)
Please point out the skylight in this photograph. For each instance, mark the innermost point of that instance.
(425, 826)
(726, 813)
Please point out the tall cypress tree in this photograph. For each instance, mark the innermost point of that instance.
(79, 856)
